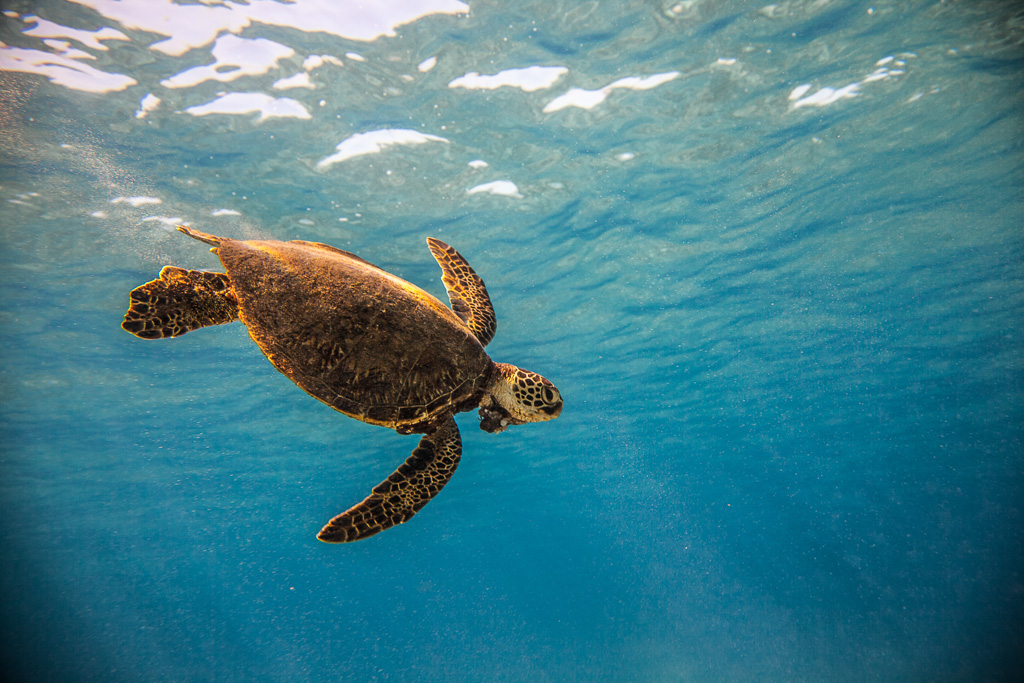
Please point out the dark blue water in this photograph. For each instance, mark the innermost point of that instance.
(786, 322)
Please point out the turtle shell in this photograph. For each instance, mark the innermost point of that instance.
(360, 339)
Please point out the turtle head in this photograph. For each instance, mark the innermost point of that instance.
(516, 396)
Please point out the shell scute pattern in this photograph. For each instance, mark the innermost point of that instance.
(321, 355)
(366, 344)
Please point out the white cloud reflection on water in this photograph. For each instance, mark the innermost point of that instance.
(136, 201)
(252, 102)
(62, 70)
(190, 26)
(375, 142)
(92, 39)
(527, 79)
(826, 95)
(299, 80)
(147, 104)
(248, 57)
(588, 99)
(505, 188)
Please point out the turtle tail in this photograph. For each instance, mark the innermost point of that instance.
(180, 301)
(201, 236)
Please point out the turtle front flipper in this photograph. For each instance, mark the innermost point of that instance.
(178, 302)
(466, 291)
(396, 499)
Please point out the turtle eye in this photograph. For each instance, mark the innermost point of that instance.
(549, 396)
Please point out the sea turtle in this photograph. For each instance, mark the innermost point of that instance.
(366, 343)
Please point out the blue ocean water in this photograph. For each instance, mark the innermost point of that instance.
(771, 254)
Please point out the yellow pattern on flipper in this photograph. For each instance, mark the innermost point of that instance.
(180, 301)
(466, 291)
(396, 499)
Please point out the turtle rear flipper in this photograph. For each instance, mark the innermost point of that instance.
(178, 302)
(396, 499)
